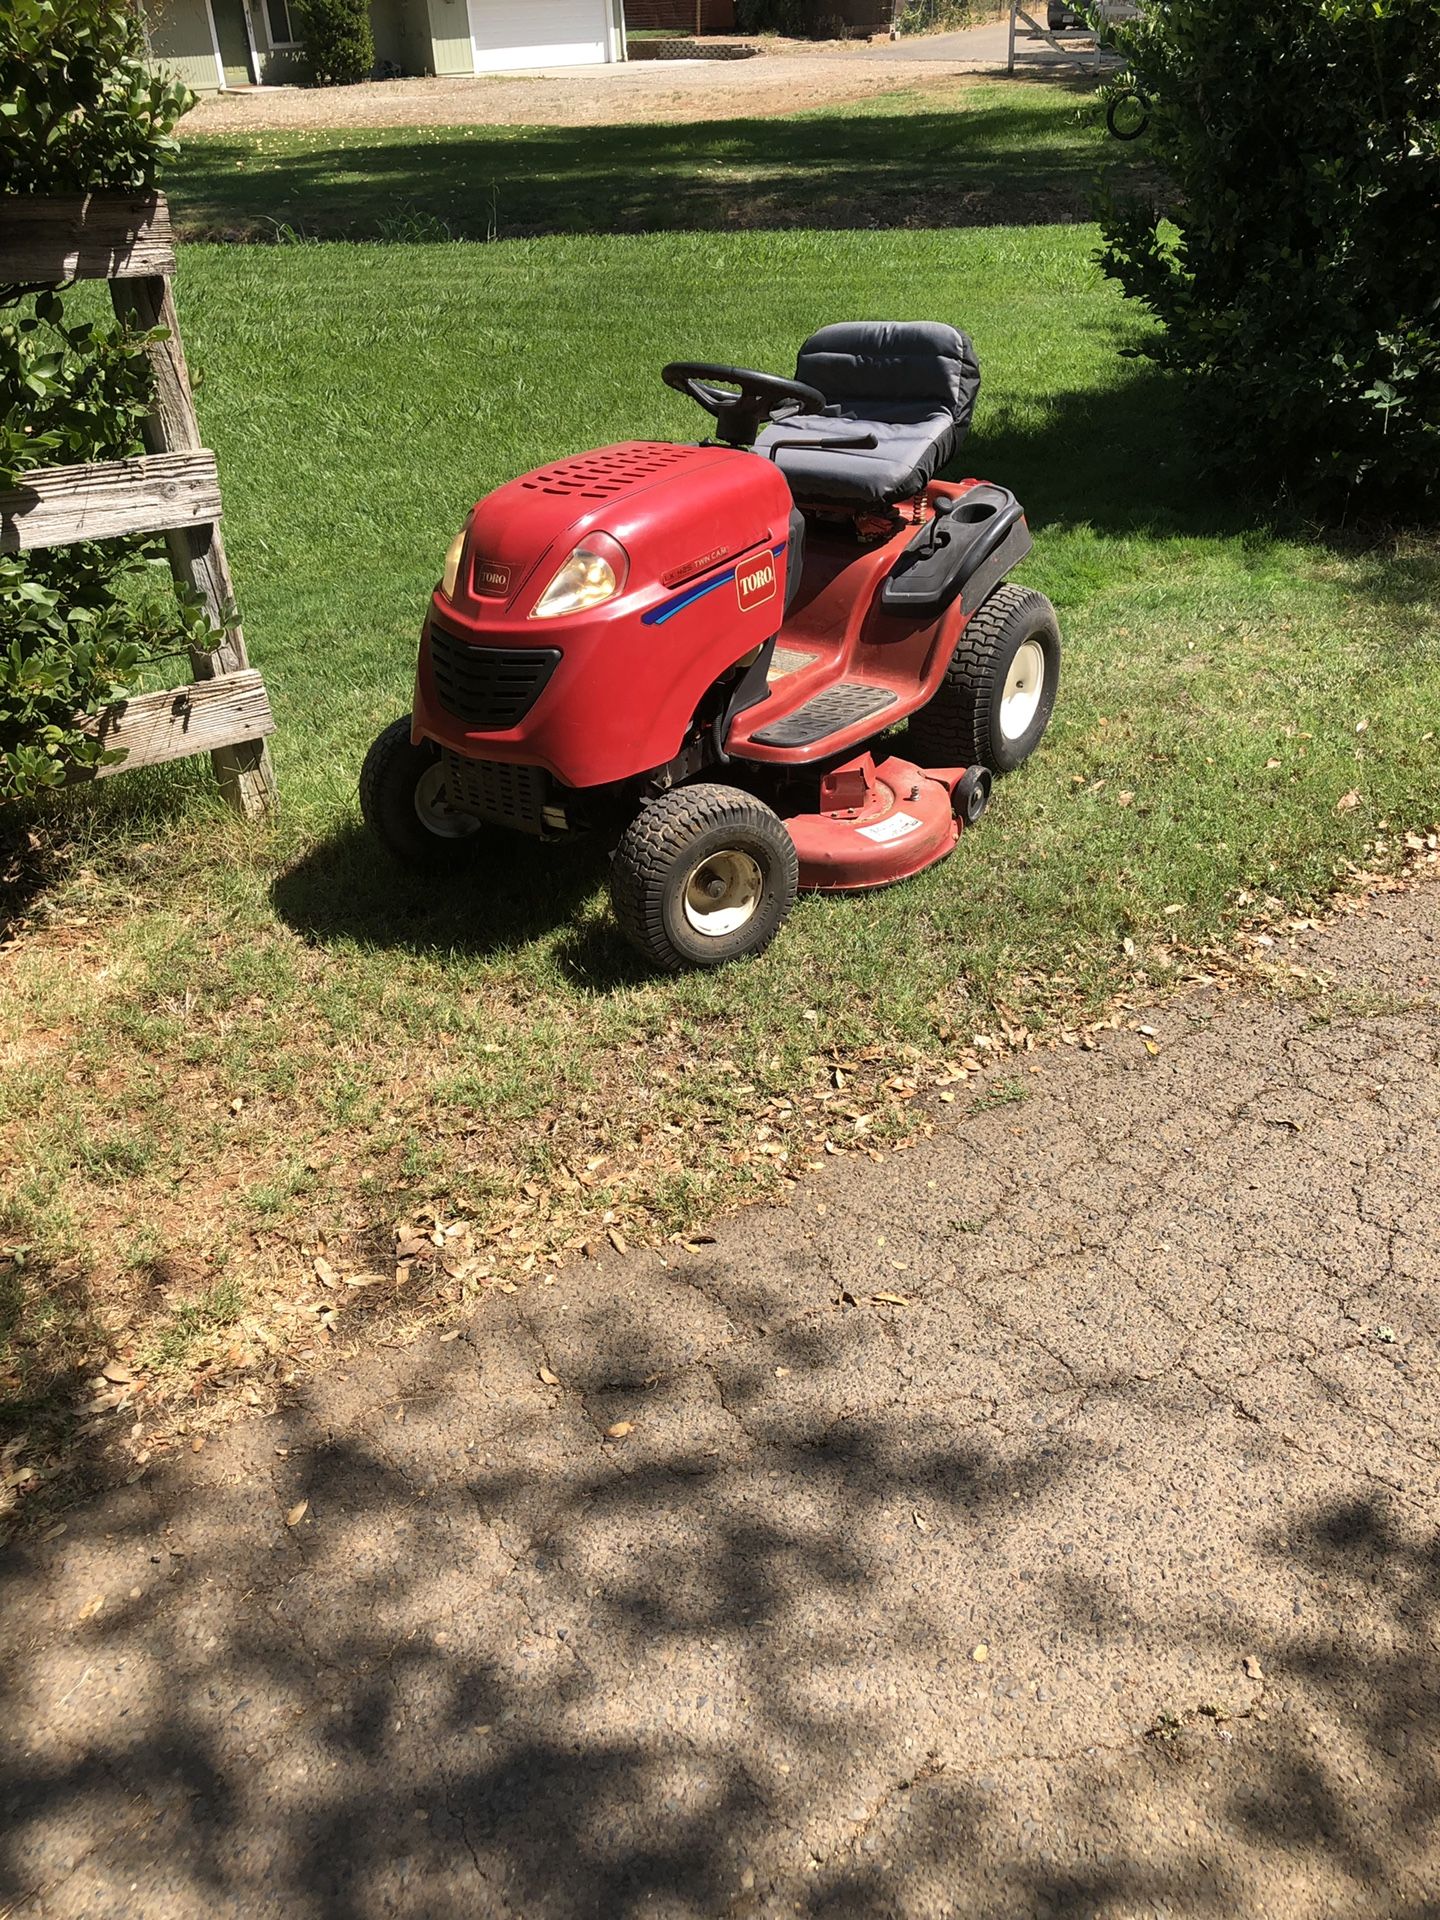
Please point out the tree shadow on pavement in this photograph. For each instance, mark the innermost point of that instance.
(756, 1626)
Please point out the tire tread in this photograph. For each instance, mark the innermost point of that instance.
(659, 835)
(953, 730)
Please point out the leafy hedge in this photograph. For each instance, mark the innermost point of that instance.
(338, 40)
(1299, 284)
(79, 110)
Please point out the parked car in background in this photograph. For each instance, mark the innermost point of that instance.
(1103, 13)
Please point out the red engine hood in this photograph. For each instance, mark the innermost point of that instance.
(643, 494)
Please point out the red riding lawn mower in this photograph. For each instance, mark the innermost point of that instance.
(692, 645)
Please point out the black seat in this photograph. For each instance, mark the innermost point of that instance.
(912, 384)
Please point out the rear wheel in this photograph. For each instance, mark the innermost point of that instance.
(703, 875)
(405, 804)
(999, 690)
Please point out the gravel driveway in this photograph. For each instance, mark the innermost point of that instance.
(640, 90)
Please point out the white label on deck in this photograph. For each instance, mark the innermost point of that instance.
(894, 826)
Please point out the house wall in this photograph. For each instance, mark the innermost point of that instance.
(450, 36)
(416, 36)
(180, 41)
(389, 25)
(417, 54)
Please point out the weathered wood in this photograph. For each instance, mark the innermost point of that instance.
(230, 712)
(197, 554)
(46, 238)
(102, 502)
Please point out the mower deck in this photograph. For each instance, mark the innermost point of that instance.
(876, 825)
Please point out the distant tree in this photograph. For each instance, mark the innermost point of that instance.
(1295, 263)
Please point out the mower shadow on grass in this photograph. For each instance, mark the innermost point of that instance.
(509, 892)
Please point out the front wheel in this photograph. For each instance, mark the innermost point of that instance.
(405, 804)
(996, 698)
(703, 875)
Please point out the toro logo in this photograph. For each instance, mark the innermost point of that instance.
(491, 578)
(755, 581)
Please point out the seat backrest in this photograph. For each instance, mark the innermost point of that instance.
(893, 369)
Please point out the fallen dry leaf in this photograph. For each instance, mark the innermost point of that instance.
(117, 1373)
(297, 1513)
(619, 1430)
(616, 1239)
(891, 1299)
(550, 1379)
(1347, 802)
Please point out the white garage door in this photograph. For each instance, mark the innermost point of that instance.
(539, 33)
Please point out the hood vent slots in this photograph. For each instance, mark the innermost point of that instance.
(599, 476)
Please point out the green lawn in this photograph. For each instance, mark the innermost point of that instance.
(225, 1048)
(973, 154)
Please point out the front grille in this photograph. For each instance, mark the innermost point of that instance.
(492, 688)
(500, 794)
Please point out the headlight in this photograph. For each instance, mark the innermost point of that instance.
(452, 564)
(595, 572)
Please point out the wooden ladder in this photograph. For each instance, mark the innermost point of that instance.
(174, 489)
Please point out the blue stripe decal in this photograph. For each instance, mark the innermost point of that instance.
(667, 609)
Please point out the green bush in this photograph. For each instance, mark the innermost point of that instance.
(79, 108)
(1299, 284)
(338, 40)
(933, 16)
(79, 111)
(797, 19)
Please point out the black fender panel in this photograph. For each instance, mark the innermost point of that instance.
(967, 549)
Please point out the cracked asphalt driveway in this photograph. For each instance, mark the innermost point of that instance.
(1094, 1572)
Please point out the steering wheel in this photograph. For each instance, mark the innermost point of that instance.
(760, 397)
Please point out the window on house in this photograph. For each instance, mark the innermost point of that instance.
(277, 19)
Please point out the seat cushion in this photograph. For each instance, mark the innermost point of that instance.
(906, 454)
(912, 384)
